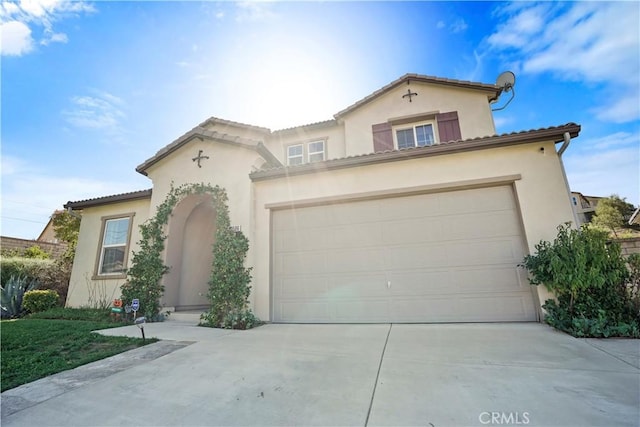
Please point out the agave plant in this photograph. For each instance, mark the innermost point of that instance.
(11, 295)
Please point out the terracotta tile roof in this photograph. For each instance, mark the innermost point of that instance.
(315, 125)
(493, 91)
(479, 143)
(134, 195)
(217, 120)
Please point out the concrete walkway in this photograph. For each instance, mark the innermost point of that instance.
(438, 375)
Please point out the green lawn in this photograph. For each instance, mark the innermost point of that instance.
(35, 348)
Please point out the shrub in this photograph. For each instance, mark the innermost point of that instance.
(11, 294)
(633, 285)
(36, 251)
(33, 251)
(31, 268)
(229, 285)
(589, 278)
(244, 319)
(48, 273)
(39, 300)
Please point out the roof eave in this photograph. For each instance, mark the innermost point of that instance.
(495, 141)
(492, 90)
(118, 198)
(196, 133)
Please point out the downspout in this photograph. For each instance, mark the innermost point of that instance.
(565, 145)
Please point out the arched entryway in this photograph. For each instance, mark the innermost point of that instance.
(190, 237)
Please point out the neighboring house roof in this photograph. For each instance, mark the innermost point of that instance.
(635, 218)
(48, 233)
(200, 132)
(514, 138)
(116, 198)
(492, 91)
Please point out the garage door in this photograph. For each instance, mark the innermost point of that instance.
(440, 257)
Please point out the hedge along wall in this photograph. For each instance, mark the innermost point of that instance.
(12, 243)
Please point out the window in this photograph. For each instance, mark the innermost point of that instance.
(295, 155)
(316, 151)
(417, 136)
(313, 151)
(113, 250)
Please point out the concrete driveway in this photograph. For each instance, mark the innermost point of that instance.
(417, 375)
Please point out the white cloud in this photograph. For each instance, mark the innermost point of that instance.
(253, 11)
(605, 165)
(584, 41)
(21, 20)
(15, 38)
(51, 37)
(458, 26)
(101, 110)
(622, 110)
(614, 140)
(30, 195)
(519, 28)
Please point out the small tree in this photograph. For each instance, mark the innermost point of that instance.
(66, 227)
(612, 212)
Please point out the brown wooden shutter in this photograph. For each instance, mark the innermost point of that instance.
(448, 126)
(382, 137)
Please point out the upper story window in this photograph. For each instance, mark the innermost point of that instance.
(313, 151)
(316, 151)
(415, 136)
(295, 154)
(112, 256)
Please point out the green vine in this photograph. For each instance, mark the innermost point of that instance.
(229, 285)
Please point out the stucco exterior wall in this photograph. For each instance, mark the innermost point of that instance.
(474, 112)
(84, 287)
(540, 190)
(227, 166)
(333, 135)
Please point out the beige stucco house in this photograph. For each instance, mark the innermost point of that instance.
(405, 207)
(584, 207)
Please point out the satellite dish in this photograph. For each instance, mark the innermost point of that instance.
(506, 81)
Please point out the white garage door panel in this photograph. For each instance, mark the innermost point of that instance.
(444, 257)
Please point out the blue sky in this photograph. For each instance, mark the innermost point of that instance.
(92, 89)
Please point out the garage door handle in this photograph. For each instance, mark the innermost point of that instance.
(388, 284)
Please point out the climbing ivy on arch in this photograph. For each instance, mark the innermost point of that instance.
(229, 284)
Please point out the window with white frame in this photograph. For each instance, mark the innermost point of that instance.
(295, 154)
(415, 136)
(113, 247)
(308, 152)
(315, 150)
